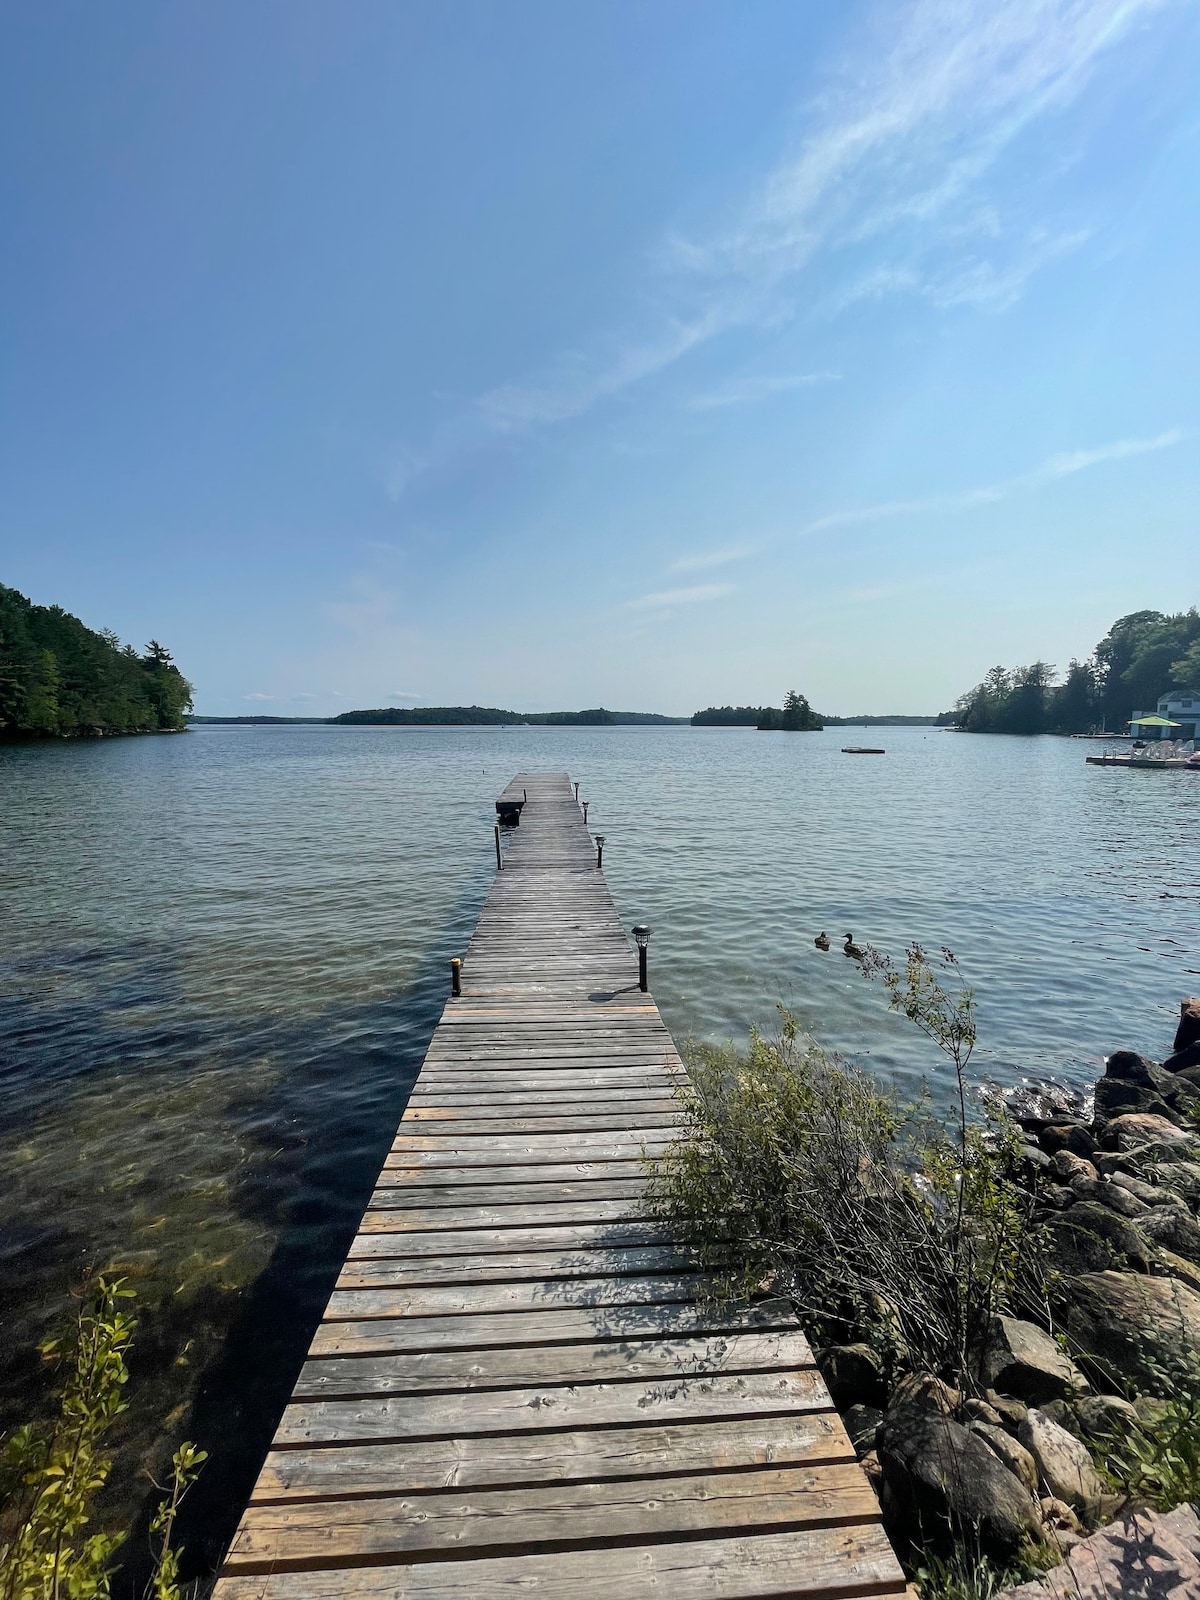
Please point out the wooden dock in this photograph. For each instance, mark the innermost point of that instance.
(515, 1387)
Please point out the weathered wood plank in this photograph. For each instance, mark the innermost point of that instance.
(279, 1538)
(809, 1564)
(662, 1359)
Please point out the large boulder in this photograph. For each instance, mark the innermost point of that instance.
(1131, 1130)
(1089, 1237)
(1107, 1193)
(1132, 1328)
(938, 1471)
(1067, 1135)
(1116, 1096)
(1174, 1227)
(854, 1375)
(1023, 1360)
(1064, 1464)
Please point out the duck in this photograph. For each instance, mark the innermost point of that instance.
(851, 949)
(822, 941)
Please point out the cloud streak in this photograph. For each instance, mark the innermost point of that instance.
(746, 391)
(704, 560)
(1058, 466)
(693, 595)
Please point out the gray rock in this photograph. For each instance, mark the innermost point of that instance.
(1065, 1165)
(1167, 1264)
(1024, 1361)
(1106, 1193)
(1032, 1161)
(1064, 1464)
(1146, 1555)
(1115, 1098)
(1104, 1416)
(862, 1424)
(1011, 1412)
(1129, 1131)
(854, 1374)
(1126, 1066)
(1175, 1227)
(1010, 1451)
(1180, 1177)
(980, 1411)
(1071, 1136)
(1091, 1238)
(1058, 1516)
(1127, 1327)
(923, 1392)
(937, 1470)
(1148, 1193)
(1056, 1196)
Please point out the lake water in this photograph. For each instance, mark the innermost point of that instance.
(223, 954)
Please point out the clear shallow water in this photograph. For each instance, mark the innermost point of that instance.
(222, 955)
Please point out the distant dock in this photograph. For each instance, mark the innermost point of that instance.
(1169, 764)
(517, 1387)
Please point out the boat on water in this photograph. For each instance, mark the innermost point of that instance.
(863, 750)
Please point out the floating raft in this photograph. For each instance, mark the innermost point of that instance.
(863, 750)
(517, 1387)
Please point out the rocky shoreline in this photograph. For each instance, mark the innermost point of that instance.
(1034, 1458)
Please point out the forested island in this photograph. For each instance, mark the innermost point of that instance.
(457, 717)
(751, 716)
(60, 679)
(1142, 656)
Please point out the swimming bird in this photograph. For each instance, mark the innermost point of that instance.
(851, 949)
(822, 941)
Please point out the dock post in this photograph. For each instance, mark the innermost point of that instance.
(599, 849)
(641, 937)
(456, 977)
(499, 861)
(586, 803)
(576, 794)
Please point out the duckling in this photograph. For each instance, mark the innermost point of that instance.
(822, 941)
(851, 949)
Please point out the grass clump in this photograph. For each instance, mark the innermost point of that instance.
(51, 1473)
(795, 1168)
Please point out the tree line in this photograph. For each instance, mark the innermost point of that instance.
(61, 679)
(1142, 656)
(795, 716)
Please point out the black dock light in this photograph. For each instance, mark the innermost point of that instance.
(586, 803)
(576, 794)
(641, 937)
(456, 977)
(599, 849)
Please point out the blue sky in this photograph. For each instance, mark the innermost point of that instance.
(646, 355)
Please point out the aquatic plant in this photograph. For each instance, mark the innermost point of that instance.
(52, 1472)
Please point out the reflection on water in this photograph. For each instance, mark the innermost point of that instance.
(223, 954)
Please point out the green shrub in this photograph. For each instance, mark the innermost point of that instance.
(795, 1168)
(53, 1472)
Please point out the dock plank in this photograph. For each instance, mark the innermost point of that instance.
(519, 1383)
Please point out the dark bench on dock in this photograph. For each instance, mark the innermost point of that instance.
(511, 803)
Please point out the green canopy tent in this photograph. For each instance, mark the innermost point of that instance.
(1160, 725)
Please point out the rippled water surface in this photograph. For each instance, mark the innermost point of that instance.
(222, 954)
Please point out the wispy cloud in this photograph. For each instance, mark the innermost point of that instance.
(575, 383)
(402, 694)
(258, 697)
(1058, 466)
(679, 597)
(703, 560)
(745, 391)
(895, 157)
